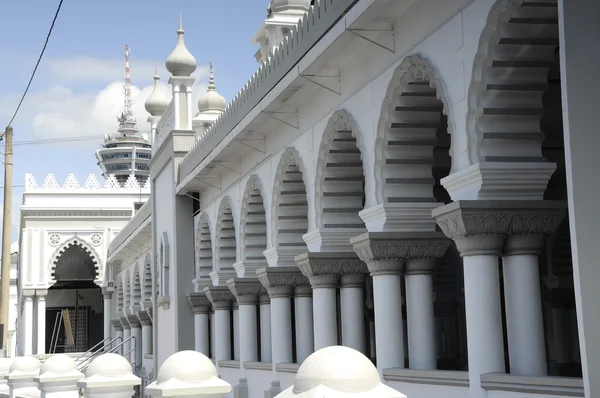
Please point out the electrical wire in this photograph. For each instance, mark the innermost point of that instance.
(37, 63)
(57, 140)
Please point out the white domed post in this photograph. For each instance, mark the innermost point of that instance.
(181, 64)
(156, 104)
(188, 374)
(5, 364)
(339, 371)
(109, 376)
(20, 379)
(58, 377)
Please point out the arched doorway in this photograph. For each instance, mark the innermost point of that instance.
(74, 316)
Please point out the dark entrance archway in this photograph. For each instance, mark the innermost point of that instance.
(74, 272)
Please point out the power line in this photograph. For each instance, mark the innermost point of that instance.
(58, 140)
(37, 63)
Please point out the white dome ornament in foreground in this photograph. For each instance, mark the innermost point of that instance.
(157, 102)
(180, 63)
(188, 373)
(338, 371)
(211, 101)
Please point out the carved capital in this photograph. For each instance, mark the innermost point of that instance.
(145, 317)
(245, 290)
(219, 296)
(324, 269)
(482, 227)
(388, 252)
(117, 325)
(41, 294)
(199, 303)
(353, 280)
(264, 299)
(107, 292)
(280, 281)
(420, 266)
(134, 321)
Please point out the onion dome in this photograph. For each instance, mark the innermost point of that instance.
(211, 101)
(180, 63)
(157, 103)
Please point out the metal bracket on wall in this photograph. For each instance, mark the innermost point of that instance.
(376, 36)
(284, 117)
(330, 83)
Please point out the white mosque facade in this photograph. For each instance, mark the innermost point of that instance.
(411, 179)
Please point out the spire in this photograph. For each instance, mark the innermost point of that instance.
(211, 78)
(127, 122)
(157, 103)
(211, 101)
(180, 63)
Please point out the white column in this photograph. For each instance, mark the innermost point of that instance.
(222, 330)
(248, 339)
(523, 304)
(325, 310)
(352, 305)
(107, 311)
(419, 313)
(303, 305)
(118, 336)
(265, 328)
(146, 339)
(126, 342)
(136, 342)
(176, 107)
(201, 342)
(580, 62)
(281, 326)
(41, 320)
(387, 298)
(212, 334)
(28, 316)
(236, 331)
(189, 112)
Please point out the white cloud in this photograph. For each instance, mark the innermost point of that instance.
(60, 111)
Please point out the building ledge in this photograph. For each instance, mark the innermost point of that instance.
(287, 367)
(229, 364)
(450, 378)
(258, 365)
(548, 385)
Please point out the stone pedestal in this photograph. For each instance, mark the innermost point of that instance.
(109, 376)
(58, 377)
(20, 379)
(5, 364)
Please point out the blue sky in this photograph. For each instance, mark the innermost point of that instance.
(77, 90)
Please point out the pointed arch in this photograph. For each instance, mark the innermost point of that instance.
(147, 279)
(412, 151)
(253, 222)
(204, 251)
(289, 208)
(508, 81)
(225, 239)
(340, 181)
(67, 260)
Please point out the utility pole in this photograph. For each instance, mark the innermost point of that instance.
(6, 233)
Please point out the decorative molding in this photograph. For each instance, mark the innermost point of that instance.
(547, 385)
(96, 239)
(481, 227)
(28, 293)
(331, 239)
(219, 296)
(90, 185)
(117, 325)
(450, 378)
(280, 281)
(324, 269)
(145, 317)
(400, 217)
(74, 241)
(245, 290)
(54, 239)
(199, 303)
(41, 293)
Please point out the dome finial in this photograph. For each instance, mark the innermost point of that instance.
(156, 76)
(180, 63)
(211, 78)
(156, 103)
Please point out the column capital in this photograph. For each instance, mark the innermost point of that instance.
(107, 292)
(117, 325)
(41, 293)
(353, 280)
(28, 293)
(199, 303)
(387, 252)
(219, 296)
(303, 290)
(245, 290)
(134, 321)
(323, 269)
(145, 317)
(482, 226)
(280, 281)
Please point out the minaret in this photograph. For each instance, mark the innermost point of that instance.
(156, 104)
(126, 154)
(181, 64)
(210, 105)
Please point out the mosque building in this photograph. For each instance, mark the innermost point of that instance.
(407, 178)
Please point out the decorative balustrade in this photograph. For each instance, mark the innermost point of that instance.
(71, 184)
(320, 17)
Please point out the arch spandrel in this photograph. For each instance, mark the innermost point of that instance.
(63, 263)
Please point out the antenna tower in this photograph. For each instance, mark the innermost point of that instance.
(127, 108)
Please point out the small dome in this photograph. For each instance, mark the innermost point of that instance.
(5, 364)
(290, 5)
(187, 366)
(27, 364)
(59, 364)
(339, 368)
(180, 62)
(211, 100)
(108, 365)
(156, 103)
